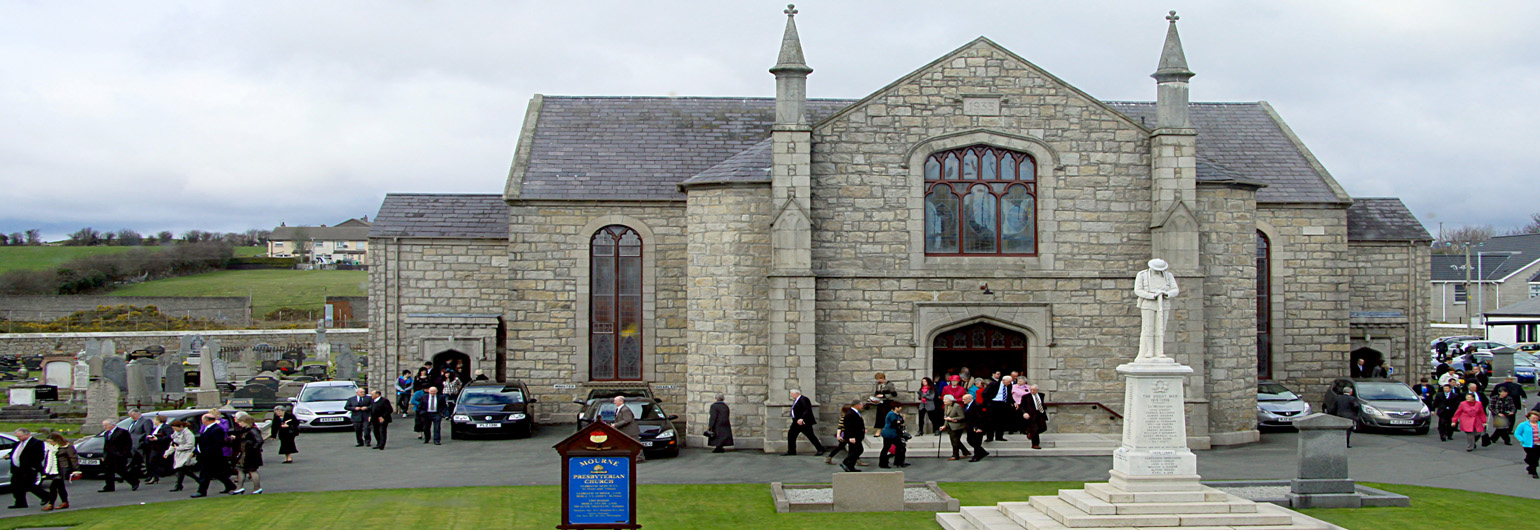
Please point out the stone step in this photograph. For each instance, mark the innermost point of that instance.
(954, 521)
(1113, 494)
(1090, 504)
(1074, 444)
(988, 518)
(1070, 516)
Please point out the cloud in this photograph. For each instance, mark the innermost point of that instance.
(227, 116)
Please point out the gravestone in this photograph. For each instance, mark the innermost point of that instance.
(93, 348)
(346, 365)
(176, 379)
(269, 366)
(255, 395)
(285, 366)
(207, 393)
(81, 376)
(115, 369)
(869, 492)
(140, 389)
(323, 351)
(101, 404)
(109, 347)
(314, 370)
(221, 370)
(297, 356)
(32, 362)
(267, 380)
(1323, 464)
(57, 373)
(186, 348)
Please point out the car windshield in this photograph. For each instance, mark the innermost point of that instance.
(642, 411)
(1274, 392)
(1385, 392)
(491, 395)
(327, 393)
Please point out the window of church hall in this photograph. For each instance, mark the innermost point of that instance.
(1264, 308)
(980, 200)
(615, 325)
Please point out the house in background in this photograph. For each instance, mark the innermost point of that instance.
(344, 244)
(1503, 271)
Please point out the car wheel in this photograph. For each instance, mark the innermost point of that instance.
(524, 432)
(454, 435)
(1422, 430)
(671, 453)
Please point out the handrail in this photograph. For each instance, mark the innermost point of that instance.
(1114, 413)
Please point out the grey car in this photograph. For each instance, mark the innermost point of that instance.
(1277, 406)
(1386, 404)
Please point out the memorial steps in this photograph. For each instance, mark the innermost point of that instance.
(1102, 506)
(1053, 444)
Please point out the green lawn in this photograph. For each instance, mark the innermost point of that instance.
(702, 507)
(249, 252)
(269, 289)
(33, 258)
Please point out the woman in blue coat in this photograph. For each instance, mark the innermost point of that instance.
(1528, 434)
(893, 437)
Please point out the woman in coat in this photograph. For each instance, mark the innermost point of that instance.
(285, 427)
(249, 457)
(719, 427)
(60, 465)
(1471, 419)
(885, 391)
(893, 437)
(1505, 412)
(1529, 437)
(183, 461)
(930, 405)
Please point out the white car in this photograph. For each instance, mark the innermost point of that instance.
(321, 405)
(7, 442)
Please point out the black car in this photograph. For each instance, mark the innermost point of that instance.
(657, 428)
(1385, 404)
(607, 392)
(90, 448)
(486, 407)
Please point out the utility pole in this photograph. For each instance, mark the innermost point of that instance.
(1467, 286)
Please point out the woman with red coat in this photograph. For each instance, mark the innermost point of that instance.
(1471, 418)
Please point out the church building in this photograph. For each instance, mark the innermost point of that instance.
(978, 212)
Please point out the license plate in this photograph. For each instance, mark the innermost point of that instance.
(328, 420)
(646, 444)
(487, 425)
(90, 462)
(1285, 420)
(1400, 422)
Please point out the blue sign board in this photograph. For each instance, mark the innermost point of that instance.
(598, 490)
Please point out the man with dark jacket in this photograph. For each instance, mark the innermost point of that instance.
(139, 433)
(802, 422)
(1446, 402)
(625, 421)
(212, 464)
(380, 413)
(430, 409)
(978, 424)
(358, 411)
(26, 464)
(1344, 405)
(118, 453)
(997, 404)
(853, 434)
(1035, 414)
(1511, 384)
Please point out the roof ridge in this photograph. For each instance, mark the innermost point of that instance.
(764, 98)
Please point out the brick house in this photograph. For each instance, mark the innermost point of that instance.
(976, 212)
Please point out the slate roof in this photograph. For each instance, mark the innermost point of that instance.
(1495, 267)
(1383, 219)
(350, 230)
(1244, 138)
(450, 216)
(749, 165)
(1527, 308)
(1451, 267)
(642, 147)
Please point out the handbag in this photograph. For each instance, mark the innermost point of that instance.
(1500, 422)
(710, 434)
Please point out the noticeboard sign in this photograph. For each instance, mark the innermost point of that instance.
(598, 488)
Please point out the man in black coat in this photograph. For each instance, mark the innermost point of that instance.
(978, 424)
(26, 464)
(1512, 385)
(118, 453)
(853, 435)
(1446, 402)
(997, 404)
(430, 409)
(379, 418)
(211, 457)
(1035, 414)
(802, 422)
(1360, 370)
(1344, 405)
(719, 425)
(358, 411)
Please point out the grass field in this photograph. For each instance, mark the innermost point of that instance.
(32, 258)
(269, 289)
(702, 507)
(249, 252)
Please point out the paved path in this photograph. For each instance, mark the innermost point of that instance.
(329, 461)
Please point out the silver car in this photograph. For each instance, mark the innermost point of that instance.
(1277, 406)
(322, 404)
(7, 442)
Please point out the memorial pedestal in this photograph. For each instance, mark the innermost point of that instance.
(1154, 454)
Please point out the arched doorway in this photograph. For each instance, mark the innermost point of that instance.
(1371, 357)
(460, 362)
(982, 348)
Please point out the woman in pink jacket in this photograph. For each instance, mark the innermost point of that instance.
(1471, 418)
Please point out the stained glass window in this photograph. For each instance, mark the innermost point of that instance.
(615, 323)
(980, 200)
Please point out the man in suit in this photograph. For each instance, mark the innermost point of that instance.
(118, 452)
(978, 424)
(379, 418)
(853, 433)
(1446, 402)
(358, 411)
(139, 433)
(211, 457)
(802, 422)
(1035, 414)
(625, 421)
(430, 409)
(1512, 385)
(1360, 370)
(999, 407)
(26, 464)
(956, 426)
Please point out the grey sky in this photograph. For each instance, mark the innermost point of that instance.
(235, 115)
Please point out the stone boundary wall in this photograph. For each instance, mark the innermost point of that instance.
(127, 341)
(44, 308)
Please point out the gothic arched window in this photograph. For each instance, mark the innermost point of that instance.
(980, 200)
(615, 344)
(1264, 308)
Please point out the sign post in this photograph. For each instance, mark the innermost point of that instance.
(598, 488)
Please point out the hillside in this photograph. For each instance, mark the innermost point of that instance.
(269, 289)
(33, 258)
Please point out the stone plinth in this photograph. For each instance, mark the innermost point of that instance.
(869, 492)
(101, 404)
(1154, 429)
(1323, 464)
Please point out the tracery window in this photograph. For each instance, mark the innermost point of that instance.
(980, 200)
(615, 342)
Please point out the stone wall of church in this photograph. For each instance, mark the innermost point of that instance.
(729, 257)
(1228, 239)
(429, 276)
(548, 272)
(1310, 311)
(1392, 277)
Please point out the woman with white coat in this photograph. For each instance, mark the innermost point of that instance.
(183, 459)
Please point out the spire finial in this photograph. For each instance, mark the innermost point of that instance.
(791, 10)
(1171, 17)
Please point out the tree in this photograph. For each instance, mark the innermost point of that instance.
(34, 237)
(109, 237)
(5, 240)
(16, 239)
(164, 236)
(1454, 239)
(128, 237)
(1532, 228)
(84, 237)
